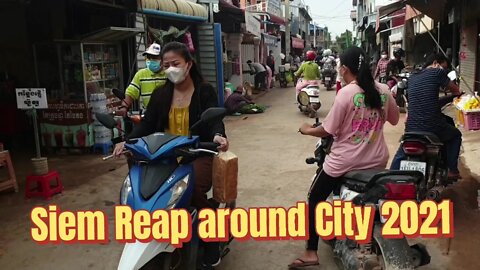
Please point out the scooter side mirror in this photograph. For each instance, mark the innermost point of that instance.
(213, 114)
(106, 120)
(210, 115)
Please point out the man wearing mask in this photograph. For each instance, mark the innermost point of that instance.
(146, 80)
(382, 66)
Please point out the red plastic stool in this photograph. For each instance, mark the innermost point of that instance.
(43, 187)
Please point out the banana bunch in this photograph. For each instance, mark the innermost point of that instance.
(472, 104)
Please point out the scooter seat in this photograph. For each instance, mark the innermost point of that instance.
(362, 176)
(422, 135)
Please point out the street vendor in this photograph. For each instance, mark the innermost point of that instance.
(236, 101)
(146, 80)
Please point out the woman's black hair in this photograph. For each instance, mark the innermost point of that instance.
(182, 50)
(354, 58)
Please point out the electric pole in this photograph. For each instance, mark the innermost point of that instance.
(287, 27)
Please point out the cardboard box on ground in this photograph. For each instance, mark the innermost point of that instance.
(225, 177)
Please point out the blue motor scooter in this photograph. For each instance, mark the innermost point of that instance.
(161, 176)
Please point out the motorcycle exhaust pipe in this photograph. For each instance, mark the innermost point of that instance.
(435, 193)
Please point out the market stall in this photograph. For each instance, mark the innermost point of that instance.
(79, 77)
(468, 112)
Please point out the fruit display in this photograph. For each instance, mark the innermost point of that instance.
(468, 103)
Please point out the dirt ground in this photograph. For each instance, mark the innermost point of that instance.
(272, 173)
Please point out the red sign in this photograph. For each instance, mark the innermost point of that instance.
(297, 43)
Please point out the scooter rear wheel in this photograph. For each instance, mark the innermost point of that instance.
(165, 261)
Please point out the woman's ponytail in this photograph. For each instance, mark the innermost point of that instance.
(354, 58)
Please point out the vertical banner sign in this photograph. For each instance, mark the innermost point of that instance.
(32, 99)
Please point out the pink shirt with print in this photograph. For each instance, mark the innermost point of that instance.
(358, 131)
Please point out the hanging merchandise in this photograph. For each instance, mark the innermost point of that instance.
(187, 39)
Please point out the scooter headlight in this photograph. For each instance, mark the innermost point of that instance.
(177, 191)
(126, 190)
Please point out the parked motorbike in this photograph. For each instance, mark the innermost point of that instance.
(309, 99)
(367, 187)
(162, 177)
(286, 75)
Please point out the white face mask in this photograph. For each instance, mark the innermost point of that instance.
(176, 75)
(384, 56)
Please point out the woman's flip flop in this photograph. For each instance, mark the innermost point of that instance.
(301, 264)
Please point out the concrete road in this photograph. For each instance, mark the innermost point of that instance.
(272, 173)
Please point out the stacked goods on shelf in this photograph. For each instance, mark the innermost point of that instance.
(468, 112)
(102, 134)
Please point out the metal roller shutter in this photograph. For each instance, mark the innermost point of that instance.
(468, 57)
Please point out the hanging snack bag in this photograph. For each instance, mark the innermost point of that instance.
(225, 177)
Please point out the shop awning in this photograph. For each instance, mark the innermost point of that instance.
(112, 34)
(181, 10)
(297, 43)
(390, 8)
(277, 19)
(432, 8)
(270, 40)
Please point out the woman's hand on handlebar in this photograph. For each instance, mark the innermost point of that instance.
(118, 150)
(223, 143)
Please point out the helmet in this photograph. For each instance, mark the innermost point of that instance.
(311, 55)
(327, 52)
(398, 52)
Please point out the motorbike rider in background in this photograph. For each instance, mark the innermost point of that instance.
(357, 146)
(395, 66)
(424, 110)
(328, 61)
(309, 70)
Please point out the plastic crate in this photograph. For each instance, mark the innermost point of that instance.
(471, 120)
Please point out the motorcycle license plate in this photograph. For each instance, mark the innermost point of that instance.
(327, 79)
(406, 165)
(314, 100)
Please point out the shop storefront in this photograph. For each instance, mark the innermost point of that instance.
(231, 18)
(75, 53)
(81, 50)
(469, 45)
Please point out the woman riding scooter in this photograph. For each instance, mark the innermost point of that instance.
(356, 120)
(309, 70)
(173, 109)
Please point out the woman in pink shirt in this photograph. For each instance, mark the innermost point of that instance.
(356, 122)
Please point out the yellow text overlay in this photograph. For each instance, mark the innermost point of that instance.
(331, 220)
